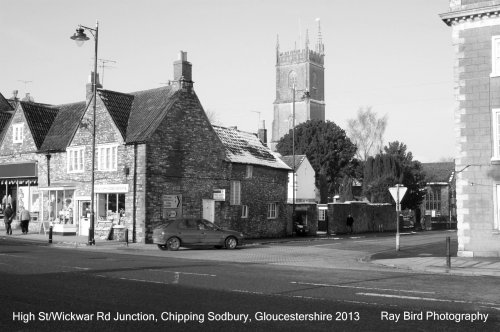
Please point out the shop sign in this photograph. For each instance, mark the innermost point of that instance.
(219, 194)
(111, 188)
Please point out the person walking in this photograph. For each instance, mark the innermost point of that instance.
(25, 220)
(349, 223)
(8, 215)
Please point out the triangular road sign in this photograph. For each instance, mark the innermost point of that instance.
(394, 193)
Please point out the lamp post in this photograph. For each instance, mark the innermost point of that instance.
(80, 37)
(305, 95)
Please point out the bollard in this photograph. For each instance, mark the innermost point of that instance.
(50, 234)
(126, 236)
(448, 253)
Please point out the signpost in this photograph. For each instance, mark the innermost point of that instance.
(397, 192)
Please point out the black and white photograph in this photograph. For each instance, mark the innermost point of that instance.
(250, 165)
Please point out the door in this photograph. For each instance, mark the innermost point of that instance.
(209, 210)
(188, 231)
(210, 234)
(84, 217)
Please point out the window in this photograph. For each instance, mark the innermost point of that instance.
(110, 207)
(244, 211)
(496, 133)
(75, 159)
(235, 193)
(272, 211)
(433, 199)
(495, 56)
(292, 79)
(107, 157)
(249, 173)
(18, 132)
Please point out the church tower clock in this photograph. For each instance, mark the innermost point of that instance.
(301, 70)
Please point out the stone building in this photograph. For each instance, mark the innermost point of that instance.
(302, 69)
(475, 26)
(438, 209)
(157, 157)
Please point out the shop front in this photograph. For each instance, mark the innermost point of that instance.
(57, 208)
(19, 188)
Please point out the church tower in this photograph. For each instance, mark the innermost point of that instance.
(305, 69)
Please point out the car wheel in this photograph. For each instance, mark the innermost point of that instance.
(173, 243)
(162, 246)
(231, 242)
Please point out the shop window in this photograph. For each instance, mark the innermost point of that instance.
(18, 132)
(244, 211)
(272, 211)
(58, 206)
(235, 193)
(75, 159)
(110, 207)
(107, 157)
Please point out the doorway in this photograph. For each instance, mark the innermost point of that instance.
(209, 210)
(84, 217)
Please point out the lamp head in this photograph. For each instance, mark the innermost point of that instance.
(79, 37)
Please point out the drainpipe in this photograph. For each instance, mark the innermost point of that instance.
(134, 204)
(48, 169)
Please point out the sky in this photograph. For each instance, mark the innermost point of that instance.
(393, 55)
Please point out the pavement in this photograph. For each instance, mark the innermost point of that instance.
(413, 259)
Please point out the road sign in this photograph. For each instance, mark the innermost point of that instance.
(394, 193)
(171, 201)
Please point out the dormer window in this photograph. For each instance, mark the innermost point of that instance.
(18, 132)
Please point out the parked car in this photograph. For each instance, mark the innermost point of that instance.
(188, 232)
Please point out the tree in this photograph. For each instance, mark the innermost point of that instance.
(413, 176)
(328, 149)
(367, 132)
(395, 165)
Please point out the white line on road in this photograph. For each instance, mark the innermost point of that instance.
(192, 273)
(428, 299)
(360, 287)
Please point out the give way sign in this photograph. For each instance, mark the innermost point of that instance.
(394, 192)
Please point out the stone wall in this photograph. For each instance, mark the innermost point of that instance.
(367, 217)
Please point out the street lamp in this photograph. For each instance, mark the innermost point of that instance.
(305, 95)
(80, 37)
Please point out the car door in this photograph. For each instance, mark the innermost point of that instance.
(188, 231)
(210, 234)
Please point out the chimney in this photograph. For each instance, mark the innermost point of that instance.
(262, 133)
(182, 68)
(28, 98)
(14, 94)
(89, 86)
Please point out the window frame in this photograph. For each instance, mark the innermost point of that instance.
(244, 211)
(249, 172)
(111, 159)
(495, 54)
(272, 210)
(235, 194)
(17, 133)
(80, 151)
(495, 117)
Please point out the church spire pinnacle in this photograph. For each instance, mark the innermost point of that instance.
(320, 48)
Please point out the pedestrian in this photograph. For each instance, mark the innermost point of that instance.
(349, 223)
(25, 220)
(8, 215)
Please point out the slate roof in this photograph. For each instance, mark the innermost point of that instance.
(439, 172)
(299, 158)
(4, 121)
(5, 105)
(63, 126)
(246, 148)
(148, 109)
(39, 118)
(119, 106)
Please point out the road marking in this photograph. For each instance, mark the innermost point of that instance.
(360, 287)
(76, 267)
(429, 299)
(192, 273)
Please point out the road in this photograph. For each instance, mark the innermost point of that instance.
(261, 287)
